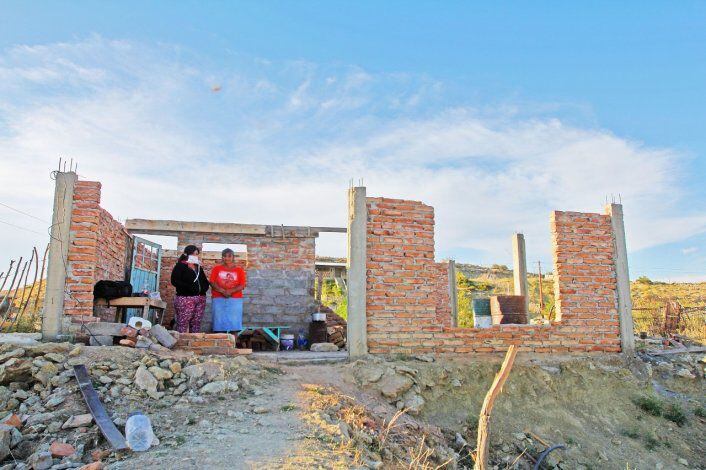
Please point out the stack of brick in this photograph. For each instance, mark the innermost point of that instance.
(97, 250)
(209, 343)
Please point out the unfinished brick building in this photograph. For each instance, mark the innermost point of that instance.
(400, 300)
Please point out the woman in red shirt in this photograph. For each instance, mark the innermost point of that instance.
(227, 284)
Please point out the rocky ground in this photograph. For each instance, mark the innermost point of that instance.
(402, 412)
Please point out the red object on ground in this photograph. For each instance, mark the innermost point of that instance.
(127, 342)
(61, 449)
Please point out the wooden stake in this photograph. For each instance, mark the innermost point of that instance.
(484, 418)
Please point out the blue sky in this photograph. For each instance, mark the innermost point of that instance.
(494, 114)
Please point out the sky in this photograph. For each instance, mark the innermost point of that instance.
(264, 112)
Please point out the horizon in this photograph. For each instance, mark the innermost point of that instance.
(263, 112)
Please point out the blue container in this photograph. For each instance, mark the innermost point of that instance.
(481, 307)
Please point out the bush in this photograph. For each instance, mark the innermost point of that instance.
(651, 405)
(700, 411)
(676, 414)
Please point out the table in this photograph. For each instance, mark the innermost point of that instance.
(145, 303)
(272, 333)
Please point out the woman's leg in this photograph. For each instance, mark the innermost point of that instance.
(182, 312)
(198, 311)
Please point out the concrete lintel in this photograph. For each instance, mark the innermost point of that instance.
(357, 275)
(53, 310)
(622, 274)
(173, 227)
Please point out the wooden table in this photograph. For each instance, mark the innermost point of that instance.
(145, 303)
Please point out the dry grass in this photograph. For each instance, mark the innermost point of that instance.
(399, 444)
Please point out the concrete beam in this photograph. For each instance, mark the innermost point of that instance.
(453, 293)
(58, 256)
(357, 280)
(627, 335)
(519, 267)
(173, 227)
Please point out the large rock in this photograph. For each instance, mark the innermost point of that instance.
(46, 373)
(394, 385)
(61, 449)
(413, 403)
(323, 347)
(145, 380)
(161, 374)
(218, 387)
(369, 375)
(15, 370)
(19, 352)
(78, 421)
(40, 461)
(207, 370)
(5, 440)
(160, 333)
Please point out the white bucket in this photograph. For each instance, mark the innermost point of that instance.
(482, 321)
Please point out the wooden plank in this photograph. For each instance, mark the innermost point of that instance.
(484, 419)
(131, 302)
(111, 433)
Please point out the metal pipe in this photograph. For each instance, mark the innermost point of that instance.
(546, 452)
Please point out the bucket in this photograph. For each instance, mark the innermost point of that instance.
(287, 342)
(482, 321)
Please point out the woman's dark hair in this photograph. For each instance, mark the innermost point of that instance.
(189, 250)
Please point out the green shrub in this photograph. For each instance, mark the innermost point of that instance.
(650, 404)
(675, 413)
(632, 432)
(700, 411)
(651, 442)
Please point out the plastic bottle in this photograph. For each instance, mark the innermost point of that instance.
(138, 432)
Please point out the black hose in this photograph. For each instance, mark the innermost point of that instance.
(546, 452)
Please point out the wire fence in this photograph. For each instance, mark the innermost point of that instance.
(671, 319)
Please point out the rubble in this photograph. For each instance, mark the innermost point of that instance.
(44, 422)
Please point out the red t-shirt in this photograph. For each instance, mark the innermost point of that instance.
(227, 278)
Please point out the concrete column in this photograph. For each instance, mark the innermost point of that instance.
(357, 279)
(58, 256)
(519, 267)
(627, 338)
(453, 293)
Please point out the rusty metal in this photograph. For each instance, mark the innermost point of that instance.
(24, 303)
(95, 406)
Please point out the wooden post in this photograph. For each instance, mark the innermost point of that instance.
(484, 418)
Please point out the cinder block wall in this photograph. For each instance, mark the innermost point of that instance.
(280, 277)
(406, 306)
(97, 250)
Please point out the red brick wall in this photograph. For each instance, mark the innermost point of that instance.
(97, 245)
(439, 272)
(405, 313)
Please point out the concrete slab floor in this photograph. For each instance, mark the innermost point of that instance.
(300, 357)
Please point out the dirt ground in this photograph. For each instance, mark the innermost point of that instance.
(318, 416)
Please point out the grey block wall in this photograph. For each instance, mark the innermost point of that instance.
(275, 297)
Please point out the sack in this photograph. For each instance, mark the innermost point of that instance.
(112, 289)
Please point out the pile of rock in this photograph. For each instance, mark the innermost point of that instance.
(45, 422)
(155, 338)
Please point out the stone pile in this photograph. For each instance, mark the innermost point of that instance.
(45, 423)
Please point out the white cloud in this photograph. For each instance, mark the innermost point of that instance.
(690, 250)
(280, 141)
